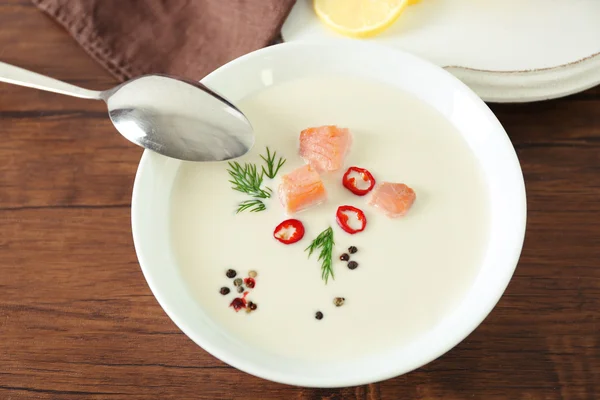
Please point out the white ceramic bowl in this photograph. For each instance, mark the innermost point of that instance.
(277, 64)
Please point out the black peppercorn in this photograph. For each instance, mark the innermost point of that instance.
(352, 265)
(224, 290)
(352, 249)
(252, 306)
(231, 273)
(344, 257)
(319, 315)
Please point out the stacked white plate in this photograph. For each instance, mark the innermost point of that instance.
(505, 50)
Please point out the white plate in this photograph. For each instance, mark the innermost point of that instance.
(505, 50)
(287, 62)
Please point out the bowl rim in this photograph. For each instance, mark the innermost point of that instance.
(252, 368)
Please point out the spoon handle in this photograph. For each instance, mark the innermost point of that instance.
(19, 76)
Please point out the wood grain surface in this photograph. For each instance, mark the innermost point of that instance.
(77, 320)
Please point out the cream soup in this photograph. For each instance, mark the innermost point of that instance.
(412, 270)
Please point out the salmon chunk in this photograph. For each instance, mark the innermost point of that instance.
(301, 189)
(325, 147)
(395, 199)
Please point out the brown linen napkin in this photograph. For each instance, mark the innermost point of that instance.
(187, 38)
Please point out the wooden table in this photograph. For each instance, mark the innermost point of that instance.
(77, 320)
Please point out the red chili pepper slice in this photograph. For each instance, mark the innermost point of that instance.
(342, 219)
(289, 231)
(351, 184)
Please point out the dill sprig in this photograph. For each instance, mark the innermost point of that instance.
(324, 242)
(248, 180)
(255, 205)
(272, 168)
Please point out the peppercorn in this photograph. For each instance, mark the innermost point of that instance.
(344, 257)
(240, 289)
(352, 265)
(224, 290)
(250, 282)
(252, 306)
(319, 315)
(352, 249)
(339, 301)
(231, 273)
(252, 274)
(238, 304)
(237, 281)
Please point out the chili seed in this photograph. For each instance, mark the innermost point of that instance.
(252, 274)
(224, 290)
(352, 265)
(238, 282)
(240, 289)
(344, 257)
(319, 315)
(352, 249)
(339, 301)
(231, 273)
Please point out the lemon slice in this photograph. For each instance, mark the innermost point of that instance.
(360, 18)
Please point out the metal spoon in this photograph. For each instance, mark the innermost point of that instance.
(171, 116)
